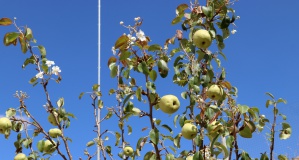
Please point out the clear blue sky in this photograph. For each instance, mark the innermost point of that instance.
(262, 57)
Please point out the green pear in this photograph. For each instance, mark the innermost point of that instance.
(128, 151)
(55, 132)
(189, 157)
(189, 131)
(49, 147)
(5, 124)
(202, 39)
(169, 104)
(20, 156)
(52, 120)
(215, 92)
(136, 111)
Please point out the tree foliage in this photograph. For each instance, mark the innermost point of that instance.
(212, 121)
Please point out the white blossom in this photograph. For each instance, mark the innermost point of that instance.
(55, 70)
(113, 50)
(141, 35)
(121, 22)
(238, 17)
(137, 18)
(39, 75)
(233, 31)
(50, 63)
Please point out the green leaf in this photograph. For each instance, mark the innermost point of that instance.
(81, 95)
(5, 22)
(27, 142)
(60, 102)
(286, 131)
(42, 51)
(90, 143)
(245, 132)
(207, 11)
(198, 156)
(264, 156)
(108, 149)
(169, 156)
(176, 20)
(153, 75)
(124, 55)
(129, 129)
(117, 136)
(95, 87)
(151, 86)
(138, 93)
(23, 44)
(28, 34)
(243, 109)
(10, 112)
(163, 68)
(222, 148)
(282, 157)
(112, 60)
(181, 8)
(30, 60)
(175, 119)
(114, 70)
(154, 47)
(10, 38)
(281, 100)
(174, 51)
(229, 141)
(145, 69)
(167, 127)
(100, 104)
(269, 94)
(177, 141)
(268, 103)
(154, 135)
(184, 95)
(109, 115)
(225, 33)
(33, 80)
(121, 42)
(225, 22)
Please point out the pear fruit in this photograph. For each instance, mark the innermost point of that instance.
(169, 104)
(215, 92)
(202, 39)
(189, 131)
(5, 124)
(55, 132)
(20, 156)
(49, 147)
(128, 151)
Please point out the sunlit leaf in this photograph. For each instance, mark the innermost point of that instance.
(124, 55)
(167, 127)
(245, 132)
(153, 75)
(10, 38)
(5, 22)
(121, 42)
(154, 135)
(286, 131)
(90, 143)
(10, 112)
(154, 47)
(129, 129)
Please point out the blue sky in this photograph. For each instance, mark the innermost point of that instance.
(262, 57)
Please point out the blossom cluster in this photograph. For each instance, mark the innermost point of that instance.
(54, 70)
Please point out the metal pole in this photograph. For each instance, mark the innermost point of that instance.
(99, 72)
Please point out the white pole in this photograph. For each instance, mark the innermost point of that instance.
(99, 72)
